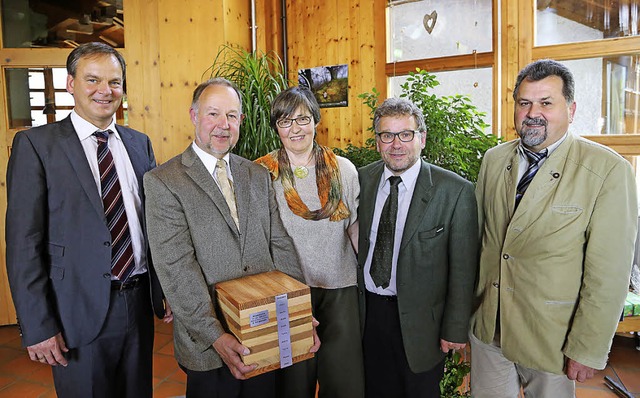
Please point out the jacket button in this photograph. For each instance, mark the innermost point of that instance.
(107, 244)
(245, 269)
(556, 175)
(496, 285)
(105, 276)
(509, 167)
(505, 256)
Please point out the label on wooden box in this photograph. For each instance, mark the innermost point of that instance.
(269, 313)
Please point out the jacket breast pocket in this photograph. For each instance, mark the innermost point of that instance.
(566, 209)
(430, 234)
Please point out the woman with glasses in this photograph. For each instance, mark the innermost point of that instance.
(317, 194)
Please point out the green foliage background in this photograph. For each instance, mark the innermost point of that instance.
(260, 77)
(455, 128)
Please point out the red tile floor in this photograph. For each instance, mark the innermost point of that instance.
(22, 378)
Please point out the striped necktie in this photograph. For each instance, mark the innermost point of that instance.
(534, 164)
(383, 250)
(122, 261)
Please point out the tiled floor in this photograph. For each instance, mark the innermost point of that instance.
(22, 378)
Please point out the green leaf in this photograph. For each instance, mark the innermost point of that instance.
(259, 77)
(456, 137)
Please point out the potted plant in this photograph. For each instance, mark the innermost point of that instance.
(260, 77)
(455, 128)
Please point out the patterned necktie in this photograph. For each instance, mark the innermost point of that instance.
(122, 261)
(383, 251)
(534, 161)
(227, 189)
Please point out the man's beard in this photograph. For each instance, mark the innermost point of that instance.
(532, 137)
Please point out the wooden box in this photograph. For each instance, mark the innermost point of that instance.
(254, 305)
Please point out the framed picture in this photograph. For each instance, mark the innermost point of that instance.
(329, 84)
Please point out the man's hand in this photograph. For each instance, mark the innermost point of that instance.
(445, 346)
(230, 350)
(49, 351)
(168, 314)
(577, 371)
(316, 339)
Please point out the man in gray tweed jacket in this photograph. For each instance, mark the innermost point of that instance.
(195, 242)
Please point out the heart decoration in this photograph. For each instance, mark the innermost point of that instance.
(429, 21)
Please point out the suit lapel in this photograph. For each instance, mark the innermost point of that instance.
(241, 188)
(136, 156)
(511, 182)
(422, 194)
(369, 181)
(73, 149)
(544, 183)
(199, 174)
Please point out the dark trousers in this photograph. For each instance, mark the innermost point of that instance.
(387, 372)
(338, 366)
(118, 363)
(220, 383)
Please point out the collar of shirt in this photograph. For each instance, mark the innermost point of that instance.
(211, 161)
(85, 129)
(523, 161)
(409, 177)
(550, 148)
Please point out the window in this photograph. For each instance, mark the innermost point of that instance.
(562, 21)
(37, 96)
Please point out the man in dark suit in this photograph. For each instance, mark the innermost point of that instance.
(417, 259)
(213, 216)
(77, 257)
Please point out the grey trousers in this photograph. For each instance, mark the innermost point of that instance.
(494, 376)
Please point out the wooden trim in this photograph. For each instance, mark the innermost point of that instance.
(625, 145)
(40, 57)
(589, 49)
(441, 64)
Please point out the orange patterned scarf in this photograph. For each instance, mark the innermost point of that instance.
(327, 180)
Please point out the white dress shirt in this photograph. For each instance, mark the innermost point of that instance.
(126, 177)
(405, 193)
(210, 162)
(523, 162)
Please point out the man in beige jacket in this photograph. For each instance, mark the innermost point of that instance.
(558, 218)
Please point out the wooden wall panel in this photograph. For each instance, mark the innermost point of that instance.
(340, 32)
(169, 47)
(142, 54)
(269, 26)
(7, 310)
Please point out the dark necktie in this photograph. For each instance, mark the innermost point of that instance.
(383, 251)
(534, 165)
(122, 261)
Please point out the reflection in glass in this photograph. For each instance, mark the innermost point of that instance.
(562, 21)
(475, 83)
(607, 95)
(431, 28)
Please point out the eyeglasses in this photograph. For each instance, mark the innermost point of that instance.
(300, 121)
(404, 136)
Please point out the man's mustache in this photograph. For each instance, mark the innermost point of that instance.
(534, 121)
